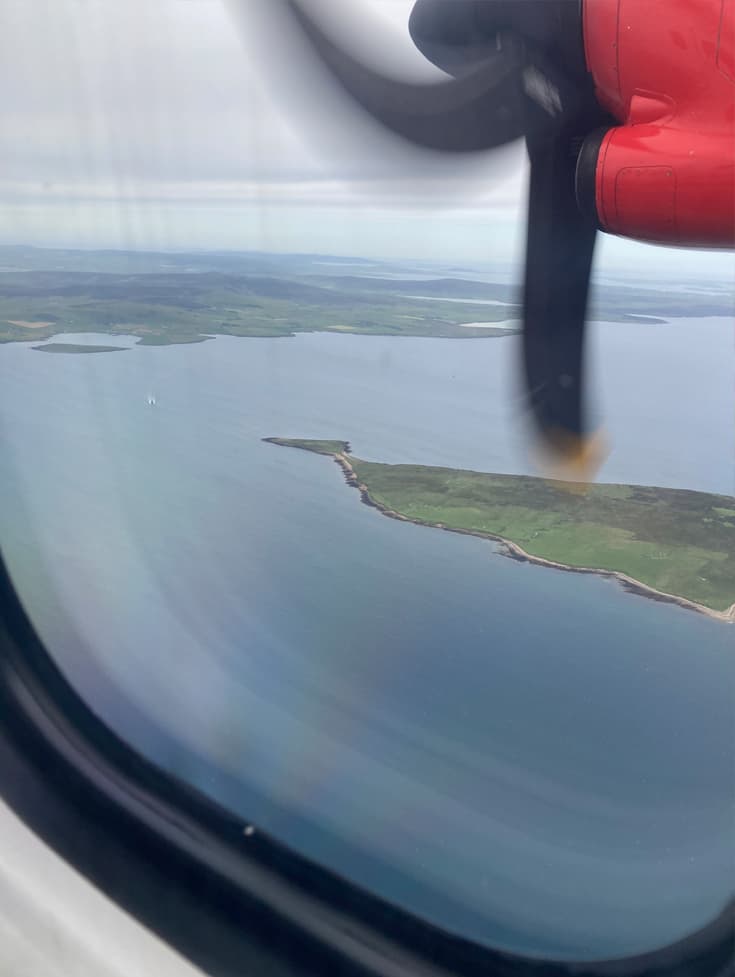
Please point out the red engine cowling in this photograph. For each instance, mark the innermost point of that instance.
(666, 70)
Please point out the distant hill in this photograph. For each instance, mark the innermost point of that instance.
(169, 298)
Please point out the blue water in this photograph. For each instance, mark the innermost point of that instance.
(533, 758)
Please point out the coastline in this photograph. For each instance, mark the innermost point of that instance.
(516, 552)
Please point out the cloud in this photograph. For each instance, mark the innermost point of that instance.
(150, 126)
(167, 102)
(133, 91)
(140, 92)
(360, 191)
(162, 124)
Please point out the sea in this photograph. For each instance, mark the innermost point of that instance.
(537, 760)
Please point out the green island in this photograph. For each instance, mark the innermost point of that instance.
(77, 348)
(669, 544)
(172, 298)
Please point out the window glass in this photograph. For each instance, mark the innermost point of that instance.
(538, 759)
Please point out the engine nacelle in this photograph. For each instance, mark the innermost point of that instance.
(660, 184)
(665, 71)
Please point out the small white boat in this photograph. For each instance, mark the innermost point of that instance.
(151, 400)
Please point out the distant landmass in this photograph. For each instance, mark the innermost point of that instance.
(669, 544)
(185, 298)
(78, 348)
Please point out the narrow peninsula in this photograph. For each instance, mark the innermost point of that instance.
(671, 545)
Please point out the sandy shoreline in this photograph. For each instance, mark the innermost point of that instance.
(514, 551)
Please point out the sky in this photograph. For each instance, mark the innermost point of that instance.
(191, 124)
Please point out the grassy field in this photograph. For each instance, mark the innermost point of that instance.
(166, 308)
(179, 298)
(679, 542)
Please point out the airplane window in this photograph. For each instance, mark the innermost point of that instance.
(271, 497)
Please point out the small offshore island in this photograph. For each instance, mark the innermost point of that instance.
(77, 348)
(671, 545)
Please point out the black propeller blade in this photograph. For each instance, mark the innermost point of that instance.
(482, 109)
(559, 249)
(519, 69)
(560, 243)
